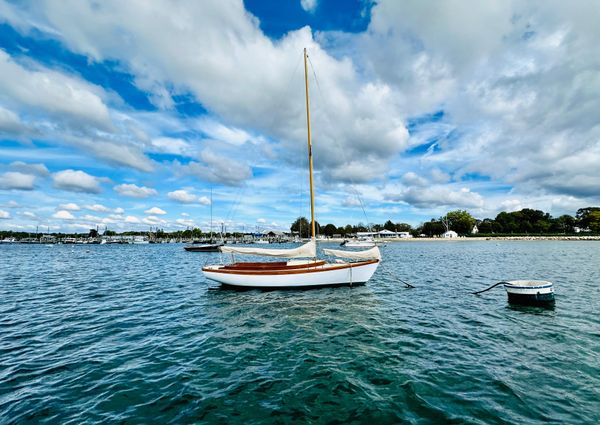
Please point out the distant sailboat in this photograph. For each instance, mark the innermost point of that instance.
(207, 247)
(309, 272)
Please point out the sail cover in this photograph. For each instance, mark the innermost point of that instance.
(305, 251)
(355, 255)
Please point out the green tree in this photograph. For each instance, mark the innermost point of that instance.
(433, 228)
(348, 230)
(302, 226)
(402, 227)
(584, 216)
(565, 224)
(594, 221)
(460, 221)
(389, 226)
(329, 230)
(487, 226)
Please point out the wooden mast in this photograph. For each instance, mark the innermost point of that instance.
(310, 161)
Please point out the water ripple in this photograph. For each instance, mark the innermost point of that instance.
(134, 334)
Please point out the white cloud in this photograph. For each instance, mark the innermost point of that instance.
(153, 220)
(352, 118)
(38, 169)
(219, 132)
(16, 180)
(412, 179)
(53, 92)
(119, 210)
(436, 196)
(76, 181)
(134, 191)
(4, 214)
(185, 197)
(216, 168)
(517, 83)
(351, 201)
(63, 215)
(261, 220)
(97, 208)
(70, 206)
(309, 5)
(132, 219)
(171, 145)
(10, 122)
(185, 223)
(155, 211)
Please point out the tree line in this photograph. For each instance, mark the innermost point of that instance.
(524, 222)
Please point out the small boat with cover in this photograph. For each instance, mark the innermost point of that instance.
(302, 269)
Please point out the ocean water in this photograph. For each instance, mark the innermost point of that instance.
(134, 334)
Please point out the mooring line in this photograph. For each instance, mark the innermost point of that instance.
(493, 286)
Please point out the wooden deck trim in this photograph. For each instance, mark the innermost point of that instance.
(309, 269)
(272, 265)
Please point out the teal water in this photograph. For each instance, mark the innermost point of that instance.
(134, 334)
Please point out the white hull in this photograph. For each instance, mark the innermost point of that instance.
(321, 276)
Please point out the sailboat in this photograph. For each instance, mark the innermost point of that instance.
(302, 269)
(211, 246)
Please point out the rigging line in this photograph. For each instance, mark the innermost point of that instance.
(337, 144)
(237, 200)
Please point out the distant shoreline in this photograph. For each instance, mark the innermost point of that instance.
(484, 238)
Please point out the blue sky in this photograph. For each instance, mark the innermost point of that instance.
(418, 108)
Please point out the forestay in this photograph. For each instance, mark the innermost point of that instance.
(355, 255)
(308, 250)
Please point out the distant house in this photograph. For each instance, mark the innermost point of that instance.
(579, 230)
(475, 230)
(450, 234)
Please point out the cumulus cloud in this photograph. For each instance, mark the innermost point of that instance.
(134, 191)
(4, 214)
(216, 168)
(182, 222)
(70, 207)
(63, 215)
(97, 208)
(38, 169)
(17, 181)
(76, 181)
(351, 118)
(132, 219)
(184, 197)
(516, 84)
(171, 145)
(437, 196)
(153, 220)
(155, 211)
(309, 5)
(52, 92)
(10, 123)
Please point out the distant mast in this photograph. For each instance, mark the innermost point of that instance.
(310, 161)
